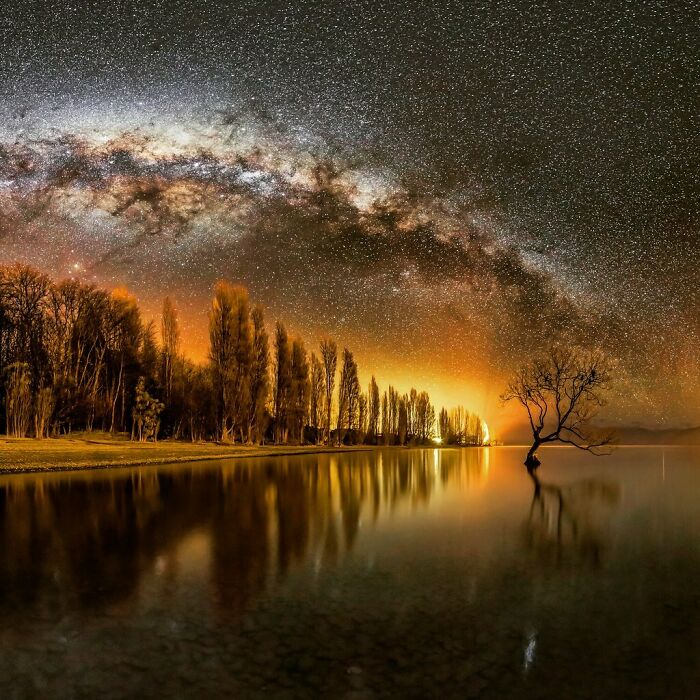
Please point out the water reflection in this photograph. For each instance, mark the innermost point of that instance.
(396, 573)
(69, 540)
(567, 525)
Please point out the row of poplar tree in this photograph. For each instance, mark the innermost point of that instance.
(278, 391)
(76, 357)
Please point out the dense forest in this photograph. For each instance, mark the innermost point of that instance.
(74, 357)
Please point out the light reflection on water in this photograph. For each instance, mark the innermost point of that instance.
(380, 573)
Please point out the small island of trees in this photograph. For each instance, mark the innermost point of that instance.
(74, 357)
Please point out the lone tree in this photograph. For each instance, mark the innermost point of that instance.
(561, 392)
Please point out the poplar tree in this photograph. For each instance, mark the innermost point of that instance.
(259, 378)
(318, 388)
(231, 352)
(283, 382)
(300, 390)
(170, 346)
(329, 356)
(373, 409)
(348, 395)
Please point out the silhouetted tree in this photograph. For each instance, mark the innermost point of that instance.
(362, 417)
(79, 344)
(18, 400)
(402, 421)
(76, 357)
(444, 425)
(43, 409)
(259, 378)
(318, 388)
(385, 419)
(170, 346)
(391, 431)
(348, 394)
(199, 404)
(130, 349)
(411, 411)
(329, 356)
(300, 391)
(146, 414)
(373, 410)
(283, 383)
(561, 392)
(24, 296)
(231, 351)
(148, 353)
(424, 417)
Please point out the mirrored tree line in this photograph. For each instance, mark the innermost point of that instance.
(74, 357)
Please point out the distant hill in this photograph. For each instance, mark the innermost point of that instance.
(630, 435)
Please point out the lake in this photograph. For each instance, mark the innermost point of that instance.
(390, 573)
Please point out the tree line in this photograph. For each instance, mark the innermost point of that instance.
(461, 427)
(74, 357)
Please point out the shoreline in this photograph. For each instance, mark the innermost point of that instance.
(93, 451)
(102, 451)
(31, 456)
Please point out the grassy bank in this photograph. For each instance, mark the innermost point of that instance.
(97, 451)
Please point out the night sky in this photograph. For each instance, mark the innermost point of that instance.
(446, 187)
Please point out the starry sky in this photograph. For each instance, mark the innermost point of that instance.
(445, 187)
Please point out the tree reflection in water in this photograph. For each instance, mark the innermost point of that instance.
(566, 524)
(72, 540)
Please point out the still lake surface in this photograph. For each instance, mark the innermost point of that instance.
(392, 573)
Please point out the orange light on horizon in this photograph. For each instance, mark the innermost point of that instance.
(486, 437)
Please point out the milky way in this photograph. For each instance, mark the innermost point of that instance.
(446, 188)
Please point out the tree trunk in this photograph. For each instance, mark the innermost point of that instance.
(116, 396)
(531, 461)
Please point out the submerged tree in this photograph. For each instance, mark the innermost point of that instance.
(562, 392)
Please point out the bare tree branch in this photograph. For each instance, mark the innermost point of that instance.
(562, 392)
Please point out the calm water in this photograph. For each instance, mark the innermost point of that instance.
(377, 574)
